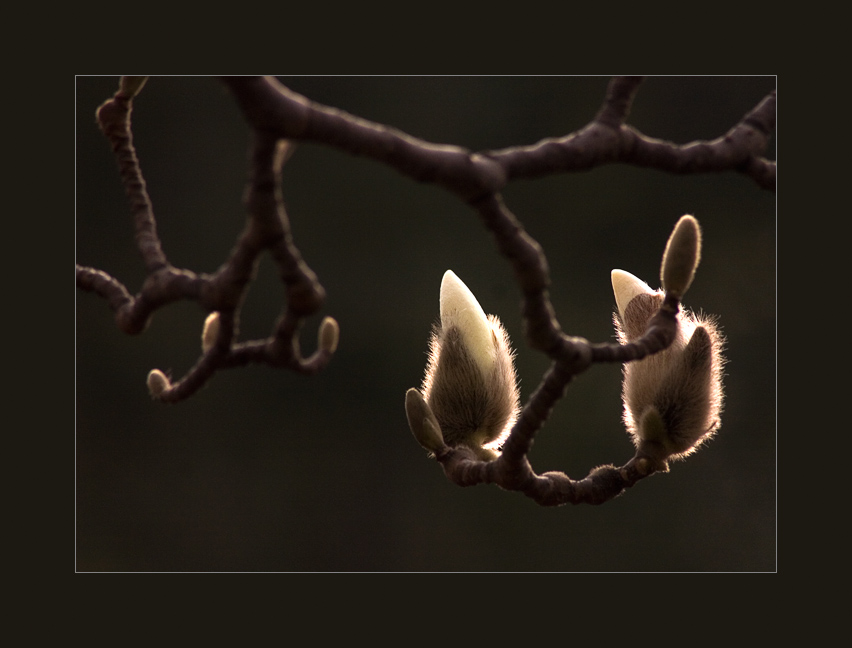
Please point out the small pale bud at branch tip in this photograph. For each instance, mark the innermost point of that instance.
(681, 257)
(461, 310)
(210, 331)
(422, 421)
(329, 334)
(158, 382)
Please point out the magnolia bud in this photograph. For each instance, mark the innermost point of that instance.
(329, 334)
(681, 257)
(158, 382)
(210, 331)
(672, 399)
(422, 421)
(470, 384)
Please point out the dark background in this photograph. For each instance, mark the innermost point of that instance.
(266, 470)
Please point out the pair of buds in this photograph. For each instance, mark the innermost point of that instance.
(672, 399)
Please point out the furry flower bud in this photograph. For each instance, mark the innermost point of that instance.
(129, 86)
(672, 399)
(470, 384)
(210, 331)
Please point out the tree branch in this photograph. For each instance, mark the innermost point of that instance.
(279, 117)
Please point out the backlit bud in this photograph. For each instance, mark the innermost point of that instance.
(129, 86)
(672, 399)
(681, 257)
(329, 334)
(210, 331)
(470, 384)
(158, 382)
(461, 311)
(625, 286)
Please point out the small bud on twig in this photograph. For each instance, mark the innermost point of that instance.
(329, 334)
(422, 422)
(681, 257)
(158, 382)
(210, 331)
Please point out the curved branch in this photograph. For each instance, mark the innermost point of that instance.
(114, 119)
(552, 488)
(223, 293)
(271, 107)
(278, 117)
(608, 140)
(267, 228)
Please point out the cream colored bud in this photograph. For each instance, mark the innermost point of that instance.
(470, 383)
(210, 332)
(329, 334)
(673, 398)
(158, 382)
(681, 256)
(461, 310)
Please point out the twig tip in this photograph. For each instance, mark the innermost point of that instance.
(157, 382)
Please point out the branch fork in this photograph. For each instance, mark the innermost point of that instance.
(672, 359)
(222, 293)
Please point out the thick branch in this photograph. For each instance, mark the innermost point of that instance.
(271, 107)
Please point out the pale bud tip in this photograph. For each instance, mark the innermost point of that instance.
(681, 257)
(461, 310)
(210, 331)
(158, 382)
(329, 334)
(625, 287)
(422, 421)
